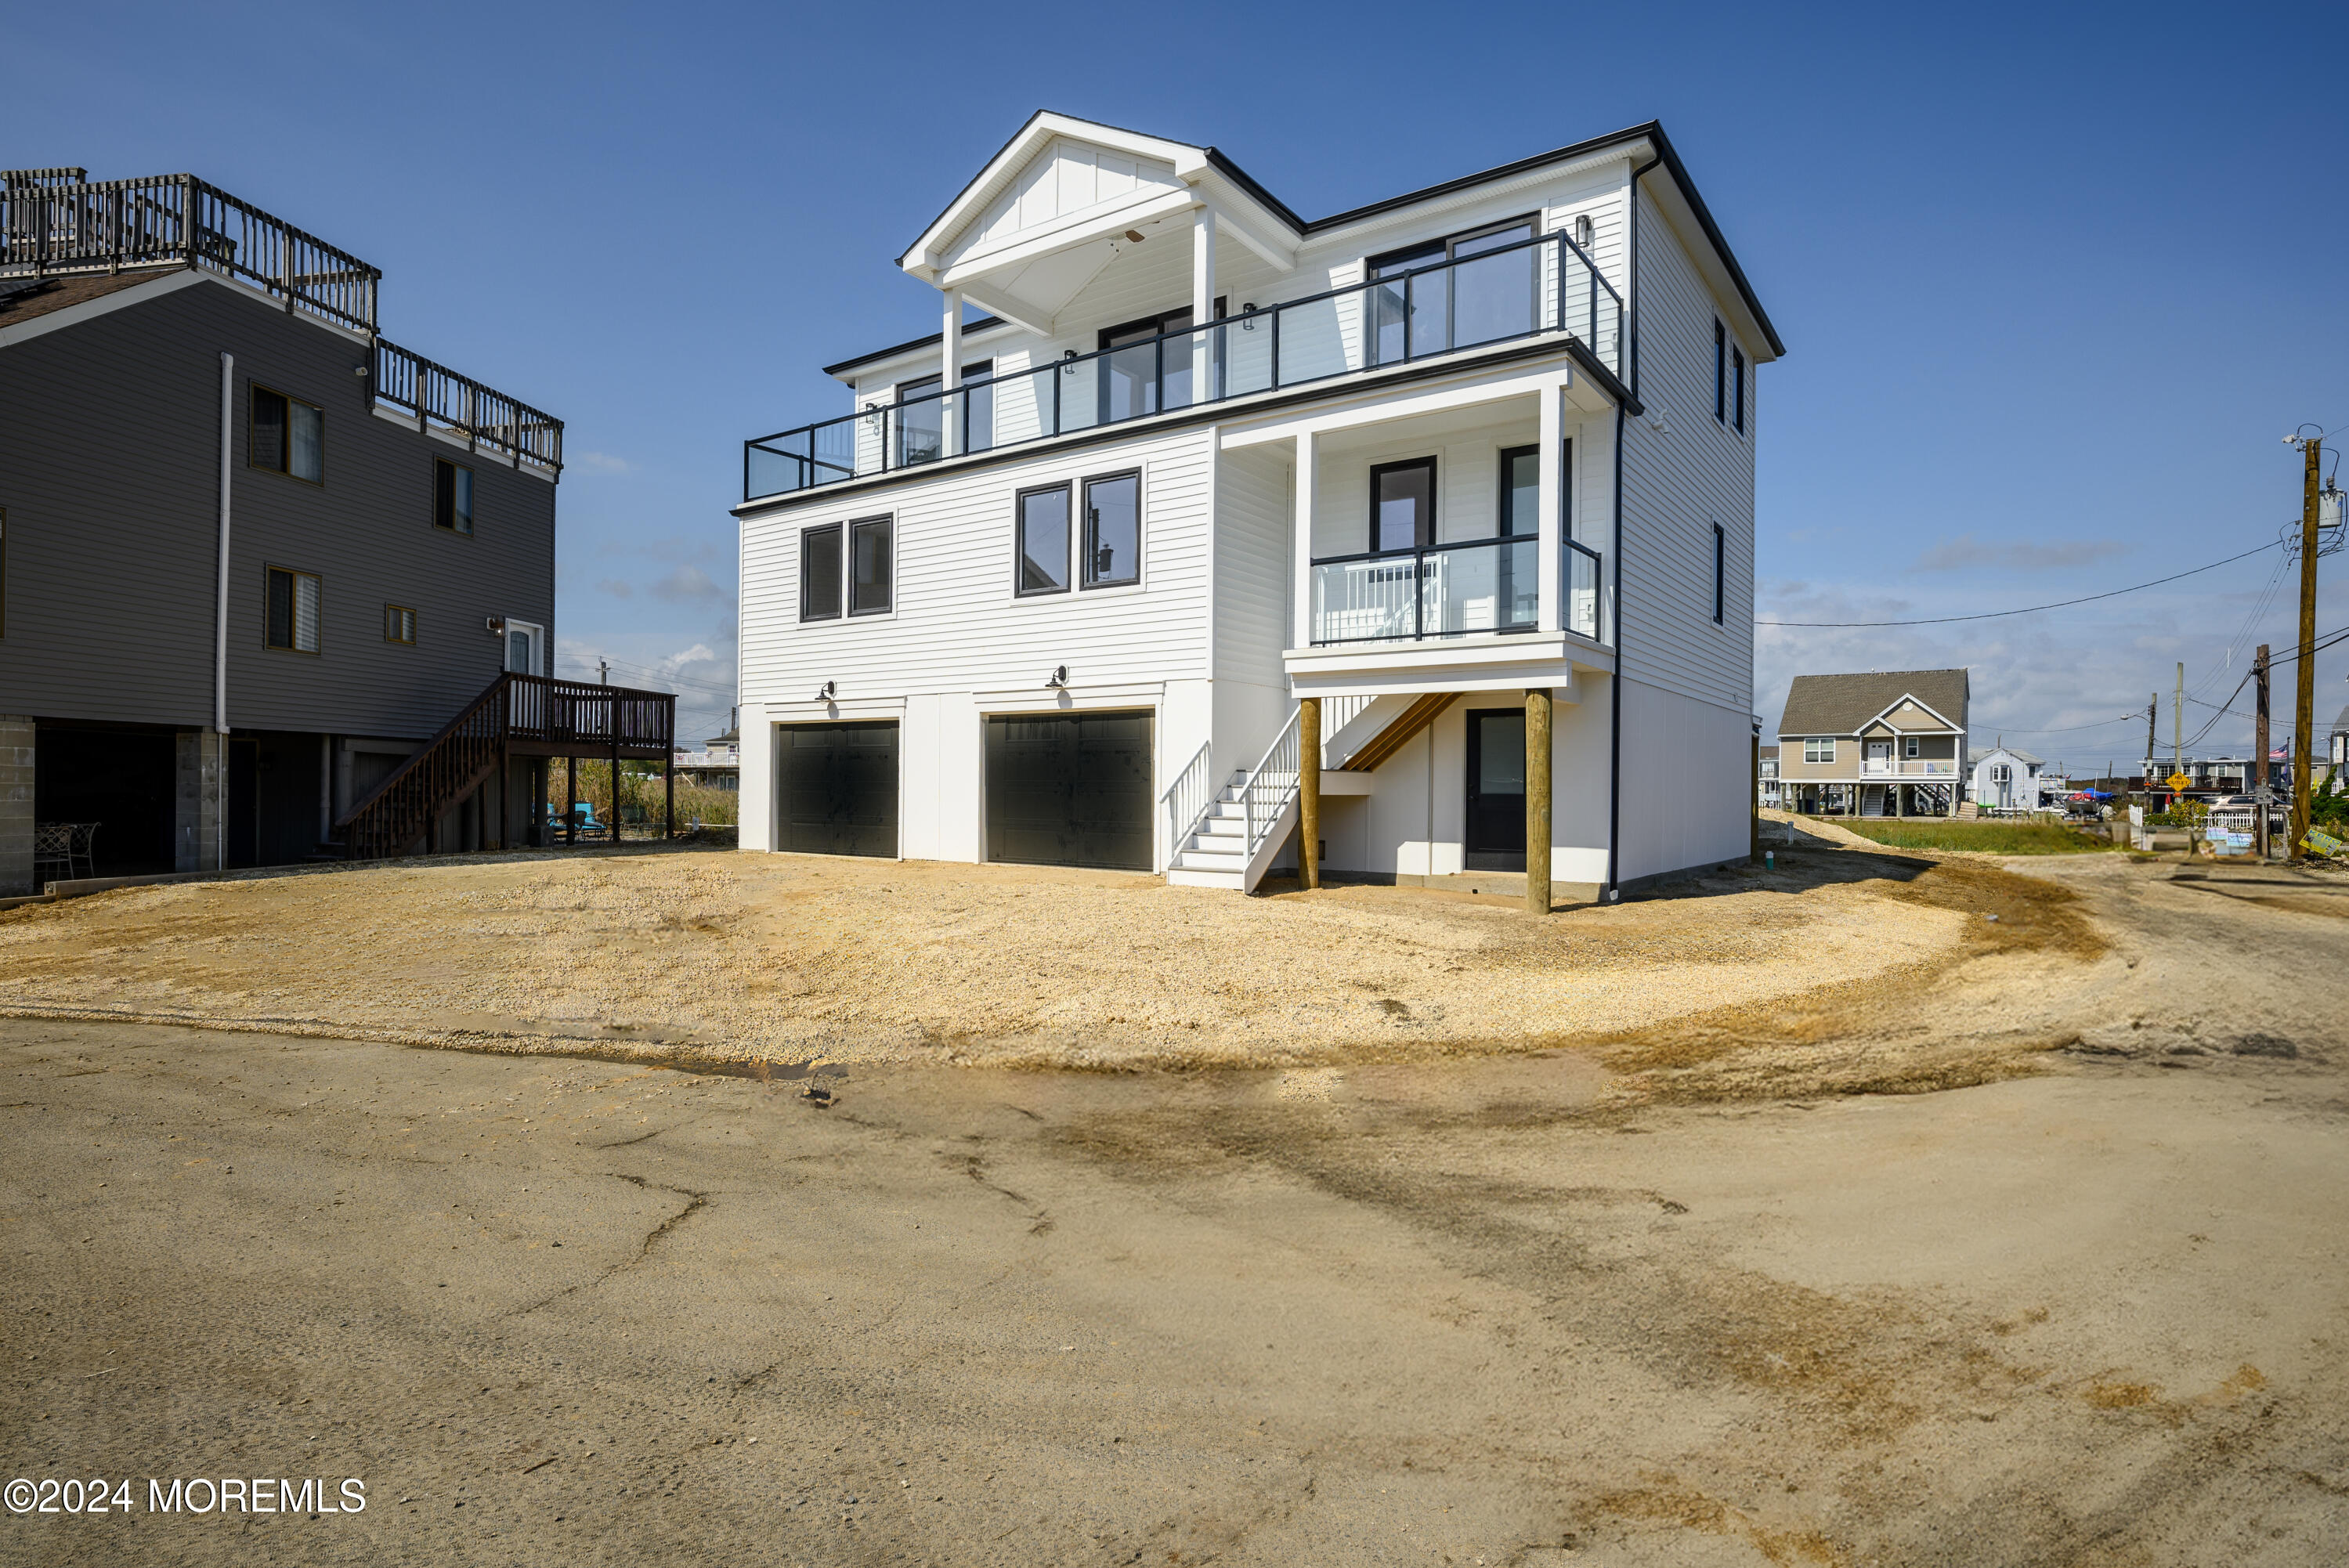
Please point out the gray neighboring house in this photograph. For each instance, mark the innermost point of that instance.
(252, 555)
(1879, 744)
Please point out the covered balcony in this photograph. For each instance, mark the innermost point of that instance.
(1514, 291)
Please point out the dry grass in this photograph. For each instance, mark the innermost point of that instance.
(788, 958)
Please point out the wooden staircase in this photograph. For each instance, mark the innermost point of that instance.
(515, 715)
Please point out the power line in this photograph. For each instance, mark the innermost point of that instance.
(2033, 610)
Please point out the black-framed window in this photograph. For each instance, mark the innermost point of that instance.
(1460, 307)
(1402, 505)
(1113, 553)
(921, 429)
(1737, 385)
(1453, 247)
(1129, 382)
(398, 624)
(452, 496)
(285, 436)
(872, 563)
(1043, 514)
(1719, 372)
(1520, 492)
(1720, 573)
(291, 606)
(820, 570)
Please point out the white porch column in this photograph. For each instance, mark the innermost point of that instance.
(1203, 303)
(755, 810)
(1302, 529)
(950, 374)
(1550, 552)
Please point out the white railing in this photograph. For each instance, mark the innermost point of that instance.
(1186, 801)
(1885, 768)
(1270, 786)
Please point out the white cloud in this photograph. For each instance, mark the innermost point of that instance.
(601, 463)
(686, 585)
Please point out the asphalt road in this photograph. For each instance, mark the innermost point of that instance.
(564, 1311)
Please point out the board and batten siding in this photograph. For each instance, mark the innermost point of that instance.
(110, 476)
(956, 624)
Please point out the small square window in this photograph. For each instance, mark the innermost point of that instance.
(452, 496)
(820, 572)
(1044, 540)
(870, 565)
(286, 436)
(1911, 746)
(398, 623)
(292, 610)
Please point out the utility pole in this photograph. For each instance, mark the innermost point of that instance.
(2178, 727)
(2263, 791)
(603, 672)
(2303, 711)
(2152, 712)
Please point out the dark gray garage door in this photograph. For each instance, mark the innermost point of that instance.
(1070, 789)
(840, 789)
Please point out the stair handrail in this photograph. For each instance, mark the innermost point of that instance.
(1337, 713)
(1196, 786)
(417, 759)
(1262, 795)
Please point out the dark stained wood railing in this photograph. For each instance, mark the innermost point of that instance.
(517, 716)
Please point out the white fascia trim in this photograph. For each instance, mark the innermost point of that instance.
(1905, 698)
(90, 309)
(1489, 662)
(1376, 408)
(1047, 699)
(811, 711)
(1065, 233)
(923, 258)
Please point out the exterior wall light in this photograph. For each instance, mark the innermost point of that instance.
(823, 693)
(1058, 679)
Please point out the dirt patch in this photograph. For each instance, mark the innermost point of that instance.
(667, 956)
(1880, 1034)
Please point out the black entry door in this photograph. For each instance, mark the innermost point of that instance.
(840, 789)
(1070, 789)
(1497, 790)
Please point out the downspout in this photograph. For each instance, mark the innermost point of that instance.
(220, 607)
(1614, 892)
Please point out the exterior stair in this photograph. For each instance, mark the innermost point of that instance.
(1217, 852)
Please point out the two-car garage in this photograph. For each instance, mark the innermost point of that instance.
(1062, 789)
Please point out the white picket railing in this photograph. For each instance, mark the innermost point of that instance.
(1188, 800)
(1270, 787)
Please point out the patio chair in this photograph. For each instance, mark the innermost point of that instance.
(589, 827)
(52, 851)
(80, 848)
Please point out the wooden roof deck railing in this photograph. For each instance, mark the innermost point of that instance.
(515, 715)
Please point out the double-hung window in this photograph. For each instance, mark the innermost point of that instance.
(1113, 553)
(820, 567)
(871, 562)
(286, 436)
(1720, 573)
(1103, 548)
(291, 610)
(1818, 748)
(398, 624)
(452, 496)
(1044, 540)
(1912, 747)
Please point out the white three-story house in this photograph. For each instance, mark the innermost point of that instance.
(1088, 579)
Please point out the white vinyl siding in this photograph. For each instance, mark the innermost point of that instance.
(1682, 473)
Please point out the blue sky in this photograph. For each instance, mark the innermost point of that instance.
(2053, 282)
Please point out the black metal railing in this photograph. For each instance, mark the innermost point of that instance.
(51, 225)
(488, 420)
(1449, 591)
(1536, 286)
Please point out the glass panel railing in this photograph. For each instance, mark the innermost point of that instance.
(1494, 586)
(1582, 604)
(1445, 591)
(1519, 289)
